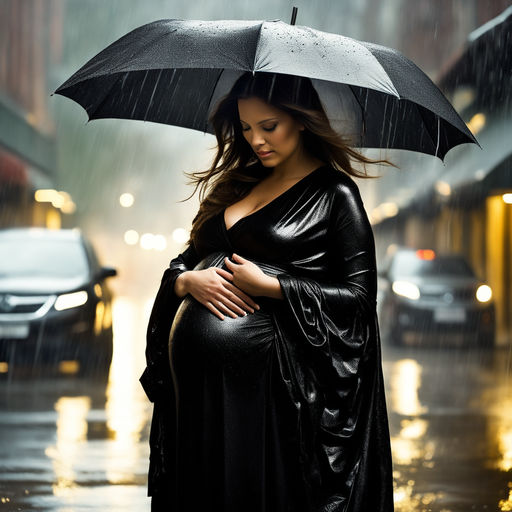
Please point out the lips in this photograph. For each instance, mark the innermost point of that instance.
(264, 153)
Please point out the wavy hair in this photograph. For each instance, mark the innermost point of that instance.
(236, 168)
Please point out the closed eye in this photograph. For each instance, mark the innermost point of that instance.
(270, 129)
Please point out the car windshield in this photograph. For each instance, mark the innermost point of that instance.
(39, 257)
(409, 264)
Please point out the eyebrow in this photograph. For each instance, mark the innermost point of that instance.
(261, 122)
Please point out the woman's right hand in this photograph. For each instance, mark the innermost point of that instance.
(213, 288)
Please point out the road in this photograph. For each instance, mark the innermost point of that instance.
(69, 444)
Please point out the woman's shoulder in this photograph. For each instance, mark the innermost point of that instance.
(339, 184)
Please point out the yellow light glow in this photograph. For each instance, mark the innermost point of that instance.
(413, 429)
(126, 407)
(180, 235)
(405, 383)
(131, 237)
(45, 195)
(443, 188)
(484, 293)
(4, 367)
(71, 439)
(98, 320)
(389, 209)
(146, 241)
(506, 505)
(52, 219)
(476, 123)
(71, 300)
(107, 317)
(507, 198)
(68, 207)
(126, 200)
(69, 367)
(159, 242)
(406, 289)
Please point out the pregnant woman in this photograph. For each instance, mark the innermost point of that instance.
(263, 350)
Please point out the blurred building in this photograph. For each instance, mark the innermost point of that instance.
(464, 205)
(30, 38)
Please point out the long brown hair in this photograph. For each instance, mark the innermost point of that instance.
(236, 168)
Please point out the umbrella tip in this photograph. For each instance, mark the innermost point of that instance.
(294, 15)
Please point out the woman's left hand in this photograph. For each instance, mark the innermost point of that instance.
(249, 277)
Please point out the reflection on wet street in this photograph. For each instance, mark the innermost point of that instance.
(68, 443)
(450, 417)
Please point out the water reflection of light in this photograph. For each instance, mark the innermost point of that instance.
(126, 407)
(500, 430)
(406, 501)
(405, 383)
(506, 505)
(409, 445)
(71, 436)
(413, 429)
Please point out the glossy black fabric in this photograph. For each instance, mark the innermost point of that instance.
(284, 409)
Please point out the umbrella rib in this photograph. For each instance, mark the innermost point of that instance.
(425, 124)
(256, 49)
(106, 95)
(211, 96)
(363, 116)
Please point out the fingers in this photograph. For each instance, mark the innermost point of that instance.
(215, 306)
(237, 304)
(243, 296)
(224, 273)
(240, 298)
(214, 310)
(227, 275)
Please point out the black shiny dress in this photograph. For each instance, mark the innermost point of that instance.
(282, 409)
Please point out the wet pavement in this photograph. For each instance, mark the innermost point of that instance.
(70, 444)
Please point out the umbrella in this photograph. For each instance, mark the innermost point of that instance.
(173, 71)
(484, 62)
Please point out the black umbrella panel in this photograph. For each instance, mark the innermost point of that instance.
(174, 71)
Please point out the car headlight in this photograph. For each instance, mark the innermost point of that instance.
(70, 300)
(406, 289)
(483, 293)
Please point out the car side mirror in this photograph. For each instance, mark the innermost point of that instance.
(105, 272)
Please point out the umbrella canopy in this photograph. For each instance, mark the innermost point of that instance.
(174, 71)
(484, 62)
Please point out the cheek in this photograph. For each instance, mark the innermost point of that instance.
(284, 137)
(288, 138)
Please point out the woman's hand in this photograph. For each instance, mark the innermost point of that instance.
(251, 279)
(213, 288)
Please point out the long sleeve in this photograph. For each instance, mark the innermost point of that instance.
(156, 378)
(352, 289)
(329, 349)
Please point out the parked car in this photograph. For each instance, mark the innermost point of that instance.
(54, 302)
(433, 298)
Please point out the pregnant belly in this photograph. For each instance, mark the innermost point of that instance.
(198, 337)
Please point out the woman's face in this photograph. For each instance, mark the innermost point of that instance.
(272, 133)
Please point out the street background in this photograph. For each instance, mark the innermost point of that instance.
(73, 443)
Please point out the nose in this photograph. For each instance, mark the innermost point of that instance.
(257, 139)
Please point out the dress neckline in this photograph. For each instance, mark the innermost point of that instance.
(269, 203)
